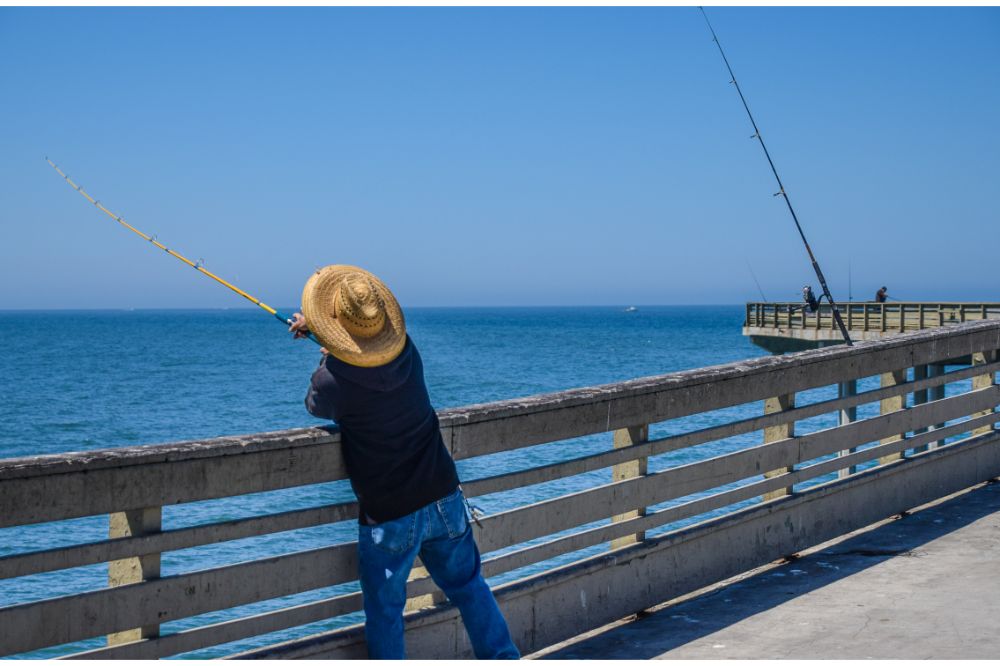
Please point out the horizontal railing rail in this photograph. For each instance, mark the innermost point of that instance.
(895, 317)
(721, 470)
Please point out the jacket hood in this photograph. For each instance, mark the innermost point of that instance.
(379, 378)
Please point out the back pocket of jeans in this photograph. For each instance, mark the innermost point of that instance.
(394, 536)
(452, 510)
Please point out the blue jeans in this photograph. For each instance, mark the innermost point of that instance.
(441, 534)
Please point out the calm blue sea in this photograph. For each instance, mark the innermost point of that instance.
(78, 380)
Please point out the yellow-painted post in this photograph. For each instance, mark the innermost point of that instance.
(981, 382)
(139, 522)
(623, 439)
(425, 600)
(777, 433)
(889, 405)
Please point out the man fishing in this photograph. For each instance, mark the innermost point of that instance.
(370, 381)
(810, 298)
(881, 295)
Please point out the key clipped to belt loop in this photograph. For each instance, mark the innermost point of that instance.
(474, 512)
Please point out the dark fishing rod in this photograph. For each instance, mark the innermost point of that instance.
(781, 188)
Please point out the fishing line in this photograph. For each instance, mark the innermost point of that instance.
(781, 188)
(197, 265)
(754, 276)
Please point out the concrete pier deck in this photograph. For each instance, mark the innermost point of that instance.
(923, 586)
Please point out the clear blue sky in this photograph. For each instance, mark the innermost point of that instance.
(504, 156)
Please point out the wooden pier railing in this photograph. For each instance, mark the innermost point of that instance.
(893, 317)
(748, 490)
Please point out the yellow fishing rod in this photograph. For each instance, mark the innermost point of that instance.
(195, 265)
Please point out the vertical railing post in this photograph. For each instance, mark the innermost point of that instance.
(138, 522)
(882, 308)
(920, 397)
(936, 393)
(432, 598)
(889, 405)
(623, 439)
(777, 433)
(981, 382)
(845, 416)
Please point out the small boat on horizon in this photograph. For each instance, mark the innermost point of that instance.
(631, 308)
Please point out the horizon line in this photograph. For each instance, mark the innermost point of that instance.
(252, 308)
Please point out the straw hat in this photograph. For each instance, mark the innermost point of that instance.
(354, 315)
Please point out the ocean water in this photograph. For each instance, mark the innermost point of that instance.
(80, 380)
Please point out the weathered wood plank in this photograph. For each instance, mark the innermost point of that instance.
(253, 625)
(146, 454)
(87, 492)
(71, 618)
(67, 557)
(231, 630)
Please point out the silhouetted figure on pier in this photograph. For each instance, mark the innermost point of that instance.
(881, 295)
(810, 298)
(371, 382)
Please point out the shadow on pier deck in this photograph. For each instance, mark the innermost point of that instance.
(919, 586)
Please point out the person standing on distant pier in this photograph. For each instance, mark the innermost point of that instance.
(881, 295)
(810, 298)
(371, 382)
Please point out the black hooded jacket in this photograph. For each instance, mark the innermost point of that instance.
(393, 450)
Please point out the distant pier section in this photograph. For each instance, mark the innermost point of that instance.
(791, 327)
